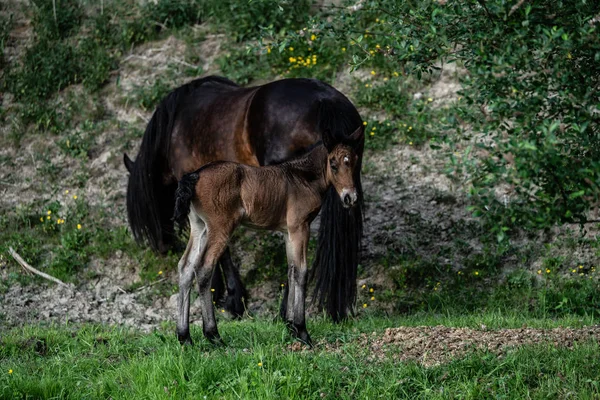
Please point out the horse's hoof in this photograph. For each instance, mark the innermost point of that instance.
(304, 337)
(235, 307)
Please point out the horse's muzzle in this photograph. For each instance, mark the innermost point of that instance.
(349, 197)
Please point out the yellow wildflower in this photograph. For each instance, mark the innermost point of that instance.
(75, 197)
(364, 286)
(78, 226)
(291, 49)
(48, 217)
(10, 371)
(373, 72)
(376, 19)
(372, 298)
(410, 143)
(222, 310)
(539, 271)
(395, 73)
(371, 52)
(365, 305)
(410, 128)
(573, 270)
(581, 267)
(371, 290)
(160, 272)
(260, 364)
(343, 49)
(372, 133)
(292, 59)
(313, 37)
(476, 273)
(547, 271)
(377, 46)
(268, 50)
(430, 99)
(212, 289)
(49, 212)
(67, 191)
(367, 85)
(385, 79)
(364, 122)
(569, 56)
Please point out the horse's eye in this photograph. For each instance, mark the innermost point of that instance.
(334, 166)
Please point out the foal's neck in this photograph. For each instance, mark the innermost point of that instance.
(311, 167)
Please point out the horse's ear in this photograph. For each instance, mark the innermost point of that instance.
(356, 136)
(128, 163)
(328, 140)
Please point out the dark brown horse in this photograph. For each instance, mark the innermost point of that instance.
(220, 196)
(212, 119)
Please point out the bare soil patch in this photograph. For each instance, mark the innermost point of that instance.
(434, 345)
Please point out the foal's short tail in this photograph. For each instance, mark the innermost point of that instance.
(183, 196)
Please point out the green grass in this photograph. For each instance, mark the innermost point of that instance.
(66, 361)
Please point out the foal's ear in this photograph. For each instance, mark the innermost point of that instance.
(356, 136)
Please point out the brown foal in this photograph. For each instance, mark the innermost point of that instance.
(220, 196)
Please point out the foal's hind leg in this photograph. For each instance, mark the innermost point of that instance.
(186, 265)
(216, 243)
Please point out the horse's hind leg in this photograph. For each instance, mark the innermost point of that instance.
(216, 243)
(186, 265)
(236, 293)
(235, 289)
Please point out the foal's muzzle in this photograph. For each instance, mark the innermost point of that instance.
(349, 197)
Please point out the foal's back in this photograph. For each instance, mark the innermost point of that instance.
(230, 193)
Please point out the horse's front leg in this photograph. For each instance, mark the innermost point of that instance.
(297, 244)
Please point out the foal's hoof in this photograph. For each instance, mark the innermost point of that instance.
(215, 339)
(185, 339)
(304, 337)
(300, 333)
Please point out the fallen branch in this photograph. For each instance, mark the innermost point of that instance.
(29, 268)
(516, 7)
(151, 284)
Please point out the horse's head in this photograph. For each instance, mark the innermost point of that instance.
(342, 159)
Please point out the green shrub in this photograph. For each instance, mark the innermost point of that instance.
(530, 91)
(56, 19)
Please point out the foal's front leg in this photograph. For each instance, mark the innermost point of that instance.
(297, 245)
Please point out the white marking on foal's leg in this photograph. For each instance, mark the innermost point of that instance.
(190, 258)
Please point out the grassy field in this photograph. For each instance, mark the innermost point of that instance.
(259, 361)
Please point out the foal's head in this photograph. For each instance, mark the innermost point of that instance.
(342, 159)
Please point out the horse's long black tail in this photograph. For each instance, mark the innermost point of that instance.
(338, 251)
(149, 199)
(150, 196)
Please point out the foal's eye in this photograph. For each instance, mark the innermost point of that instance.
(334, 166)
